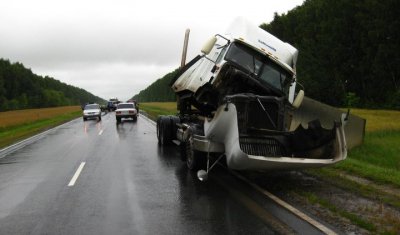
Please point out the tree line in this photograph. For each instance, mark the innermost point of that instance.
(20, 88)
(158, 91)
(348, 50)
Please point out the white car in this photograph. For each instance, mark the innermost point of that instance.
(91, 111)
(126, 110)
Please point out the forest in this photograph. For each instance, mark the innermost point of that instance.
(22, 89)
(158, 91)
(348, 52)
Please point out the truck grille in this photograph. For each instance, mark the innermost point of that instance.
(261, 147)
(252, 116)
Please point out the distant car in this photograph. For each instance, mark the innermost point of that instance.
(91, 111)
(112, 105)
(126, 110)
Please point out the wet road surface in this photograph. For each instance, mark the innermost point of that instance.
(128, 185)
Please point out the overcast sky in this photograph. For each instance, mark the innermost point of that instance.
(116, 48)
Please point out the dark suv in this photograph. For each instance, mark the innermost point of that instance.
(111, 105)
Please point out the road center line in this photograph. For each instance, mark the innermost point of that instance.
(76, 175)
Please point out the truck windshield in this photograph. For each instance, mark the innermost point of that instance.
(259, 65)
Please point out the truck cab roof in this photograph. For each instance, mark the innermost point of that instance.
(283, 53)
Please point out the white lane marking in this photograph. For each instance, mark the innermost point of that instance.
(101, 132)
(76, 175)
(287, 206)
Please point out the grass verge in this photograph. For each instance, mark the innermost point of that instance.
(354, 218)
(14, 131)
(366, 189)
(154, 109)
(378, 159)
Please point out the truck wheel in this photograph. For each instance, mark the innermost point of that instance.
(166, 129)
(195, 160)
(118, 119)
(163, 130)
(158, 129)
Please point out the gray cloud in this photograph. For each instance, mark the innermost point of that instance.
(115, 48)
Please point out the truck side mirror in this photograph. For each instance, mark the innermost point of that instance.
(298, 100)
(209, 45)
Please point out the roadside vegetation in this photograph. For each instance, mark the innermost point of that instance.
(21, 89)
(20, 124)
(378, 159)
(154, 109)
(372, 171)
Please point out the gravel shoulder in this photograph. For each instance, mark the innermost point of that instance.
(352, 204)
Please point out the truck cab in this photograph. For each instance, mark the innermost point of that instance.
(238, 99)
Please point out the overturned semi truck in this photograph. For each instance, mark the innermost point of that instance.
(239, 102)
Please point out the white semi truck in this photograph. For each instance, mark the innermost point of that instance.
(237, 102)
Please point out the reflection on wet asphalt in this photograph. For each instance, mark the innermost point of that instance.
(129, 185)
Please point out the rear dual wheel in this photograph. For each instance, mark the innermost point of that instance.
(166, 129)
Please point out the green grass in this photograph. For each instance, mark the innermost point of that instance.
(355, 219)
(380, 148)
(154, 109)
(367, 190)
(10, 135)
(378, 159)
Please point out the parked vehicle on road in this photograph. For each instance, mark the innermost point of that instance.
(112, 104)
(91, 111)
(125, 110)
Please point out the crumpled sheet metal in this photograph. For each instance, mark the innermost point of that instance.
(311, 110)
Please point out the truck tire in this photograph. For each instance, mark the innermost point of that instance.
(174, 120)
(195, 160)
(158, 128)
(118, 119)
(163, 130)
(166, 129)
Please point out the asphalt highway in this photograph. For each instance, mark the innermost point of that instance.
(102, 178)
